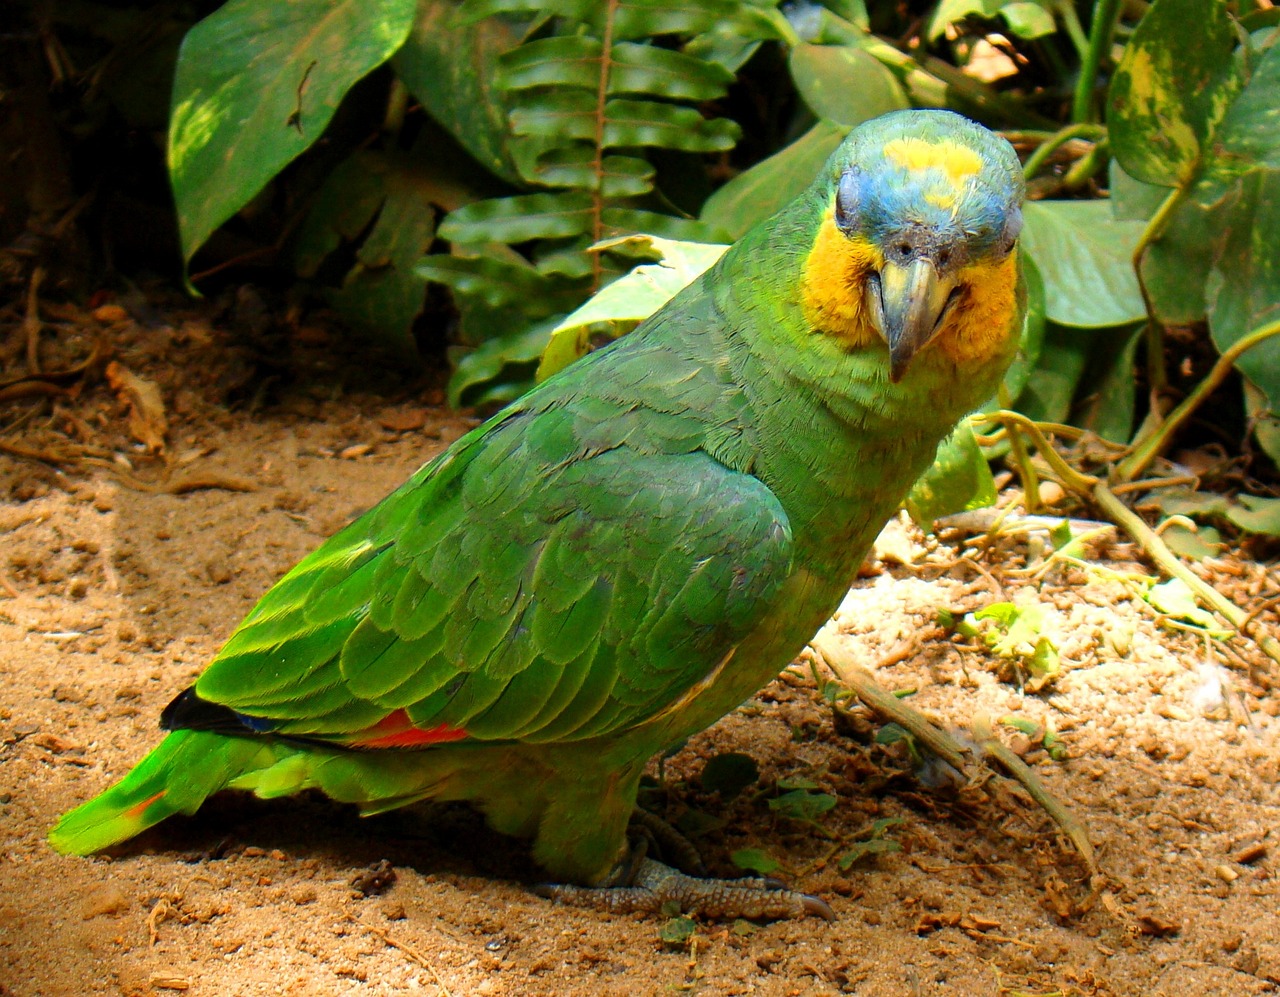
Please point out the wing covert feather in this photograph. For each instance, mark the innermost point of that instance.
(539, 581)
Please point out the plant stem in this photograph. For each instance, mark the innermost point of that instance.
(1152, 445)
(597, 162)
(1150, 541)
(1157, 379)
(1101, 29)
(1067, 11)
(1055, 142)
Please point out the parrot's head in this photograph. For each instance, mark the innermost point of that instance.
(916, 245)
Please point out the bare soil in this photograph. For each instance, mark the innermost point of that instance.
(116, 587)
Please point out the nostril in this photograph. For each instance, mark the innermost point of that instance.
(944, 258)
(904, 248)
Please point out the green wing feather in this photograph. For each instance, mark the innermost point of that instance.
(571, 567)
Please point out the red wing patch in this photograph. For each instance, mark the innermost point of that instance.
(396, 730)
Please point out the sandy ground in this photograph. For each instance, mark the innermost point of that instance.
(115, 594)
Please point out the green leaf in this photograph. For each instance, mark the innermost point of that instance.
(1175, 598)
(475, 10)
(1261, 415)
(1108, 408)
(1257, 515)
(800, 804)
(1243, 289)
(762, 190)
(256, 84)
(1025, 19)
(1172, 87)
(518, 219)
(629, 300)
(677, 931)
(1052, 385)
(383, 294)
(496, 283)
(1085, 257)
(563, 61)
(844, 84)
(488, 361)
(668, 126)
(729, 773)
(959, 479)
(1031, 342)
(576, 61)
(660, 72)
(575, 166)
(1251, 513)
(754, 860)
(561, 115)
(646, 18)
(450, 67)
(867, 849)
(622, 222)
(1132, 200)
(1028, 20)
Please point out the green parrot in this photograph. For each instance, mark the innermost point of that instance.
(630, 550)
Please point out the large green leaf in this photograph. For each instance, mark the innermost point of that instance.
(383, 204)
(1243, 290)
(1109, 384)
(1033, 324)
(768, 186)
(844, 84)
(958, 479)
(450, 66)
(1053, 383)
(1261, 414)
(256, 84)
(1086, 259)
(1172, 87)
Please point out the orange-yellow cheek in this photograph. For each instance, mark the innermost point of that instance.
(982, 325)
(835, 275)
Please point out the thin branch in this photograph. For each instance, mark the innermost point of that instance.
(1155, 442)
(1159, 552)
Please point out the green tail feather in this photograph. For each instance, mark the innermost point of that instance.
(186, 768)
(189, 766)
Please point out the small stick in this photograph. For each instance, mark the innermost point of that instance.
(888, 705)
(411, 952)
(998, 751)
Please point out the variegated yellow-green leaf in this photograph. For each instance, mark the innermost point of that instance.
(1172, 87)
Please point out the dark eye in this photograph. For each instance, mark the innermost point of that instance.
(847, 201)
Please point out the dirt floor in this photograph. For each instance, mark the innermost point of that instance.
(120, 578)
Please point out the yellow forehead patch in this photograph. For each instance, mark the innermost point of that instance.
(956, 161)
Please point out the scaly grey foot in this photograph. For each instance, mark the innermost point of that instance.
(652, 886)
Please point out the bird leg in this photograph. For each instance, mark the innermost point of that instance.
(639, 884)
(655, 888)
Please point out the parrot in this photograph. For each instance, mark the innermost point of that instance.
(631, 549)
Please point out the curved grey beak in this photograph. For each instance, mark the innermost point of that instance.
(908, 304)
